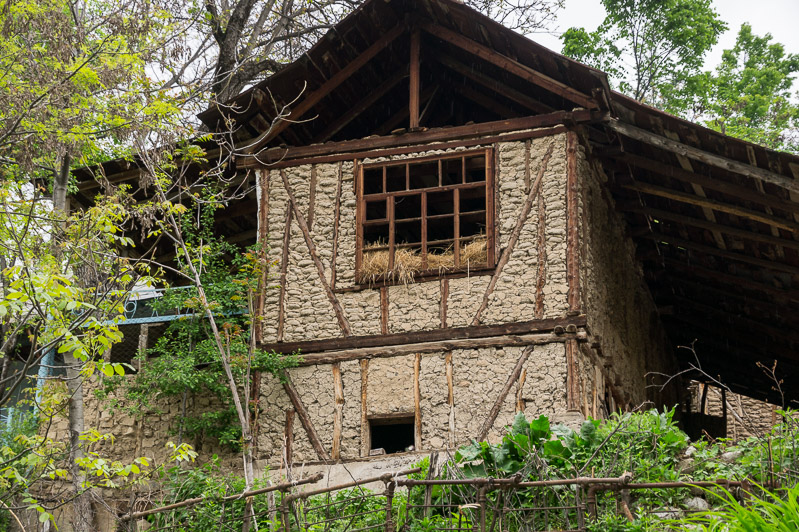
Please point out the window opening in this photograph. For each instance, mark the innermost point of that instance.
(393, 435)
(426, 216)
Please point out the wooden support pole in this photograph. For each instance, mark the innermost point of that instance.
(703, 156)
(284, 264)
(342, 319)
(572, 224)
(514, 237)
(365, 436)
(520, 403)
(383, 310)
(336, 216)
(503, 394)
(305, 419)
(417, 403)
(572, 376)
(442, 308)
(311, 197)
(413, 104)
(262, 195)
(450, 399)
(338, 419)
(289, 437)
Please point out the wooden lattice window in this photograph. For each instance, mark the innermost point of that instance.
(425, 216)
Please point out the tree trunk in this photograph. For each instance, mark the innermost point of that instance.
(83, 515)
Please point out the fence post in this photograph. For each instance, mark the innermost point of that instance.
(285, 515)
(481, 500)
(389, 506)
(580, 506)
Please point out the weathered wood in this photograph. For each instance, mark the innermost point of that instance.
(432, 335)
(349, 149)
(692, 199)
(442, 305)
(289, 437)
(659, 214)
(436, 347)
(262, 197)
(572, 376)
(284, 265)
(520, 404)
(506, 63)
(703, 156)
(514, 237)
(712, 250)
(527, 172)
(572, 224)
(417, 403)
(413, 101)
(311, 197)
(338, 419)
(450, 399)
(305, 419)
(365, 436)
(342, 319)
(541, 258)
(383, 310)
(503, 394)
(311, 99)
(336, 222)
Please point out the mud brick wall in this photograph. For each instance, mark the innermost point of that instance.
(745, 416)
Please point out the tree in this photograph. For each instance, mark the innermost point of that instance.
(651, 48)
(748, 96)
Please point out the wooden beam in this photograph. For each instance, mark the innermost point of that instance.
(417, 402)
(493, 84)
(355, 111)
(432, 335)
(506, 63)
(305, 419)
(284, 265)
(711, 250)
(514, 236)
(659, 214)
(275, 155)
(338, 405)
(572, 224)
(413, 100)
(719, 185)
(344, 355)
(572, 376)
(503, 394)
(450, 398)
(365, 436)
(328, 86)
(703, 156)
(691, 199)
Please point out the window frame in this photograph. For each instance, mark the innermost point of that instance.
(490, 220)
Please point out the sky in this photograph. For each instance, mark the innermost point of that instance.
(778, 17)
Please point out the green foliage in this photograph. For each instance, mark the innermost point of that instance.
(649, 47)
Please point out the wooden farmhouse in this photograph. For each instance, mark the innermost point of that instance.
(465, 225)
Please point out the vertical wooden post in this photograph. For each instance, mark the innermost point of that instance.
(365, 437)
(413, 105)
(336, 212)
(572, 376)
(572, 223)
(284, 265)
(289, 437)
(262, 194)
(338, 420)
(417, 403)
(390, 506)
(312, 197)
(442, 308)
(383, 310)
(520, 404)
(450, 399)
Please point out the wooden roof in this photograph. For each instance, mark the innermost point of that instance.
(715, 219)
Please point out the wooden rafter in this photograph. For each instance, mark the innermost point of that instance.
(413, 85)
(506, 63)
(311, 99)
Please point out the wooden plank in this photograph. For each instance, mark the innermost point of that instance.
(506, 63)
(691, 199)
(450, 399)
(432, 335)
(311, 197)
(276, 155)
(572, 224)
(342, 319)
(417, 403)
(717, 184)
(331, 357)
(572, 376)
(336, 222)
(493, 84)
(520, 403)
(302, 413)
(311, 99)
(384, 310)
(712, 250)
(365, 436)
(284, 264)
(413, 100)
(288, 436)
(262, 197)
(703, 156)
(338, 418)
(443, 299)
(514, 237)
(659, 214)
(541, 258)
(503, 394)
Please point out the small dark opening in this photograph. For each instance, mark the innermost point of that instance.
(394, 435)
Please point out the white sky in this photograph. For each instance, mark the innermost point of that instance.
(778, 17)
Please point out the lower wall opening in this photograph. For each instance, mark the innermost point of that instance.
(391, 434)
